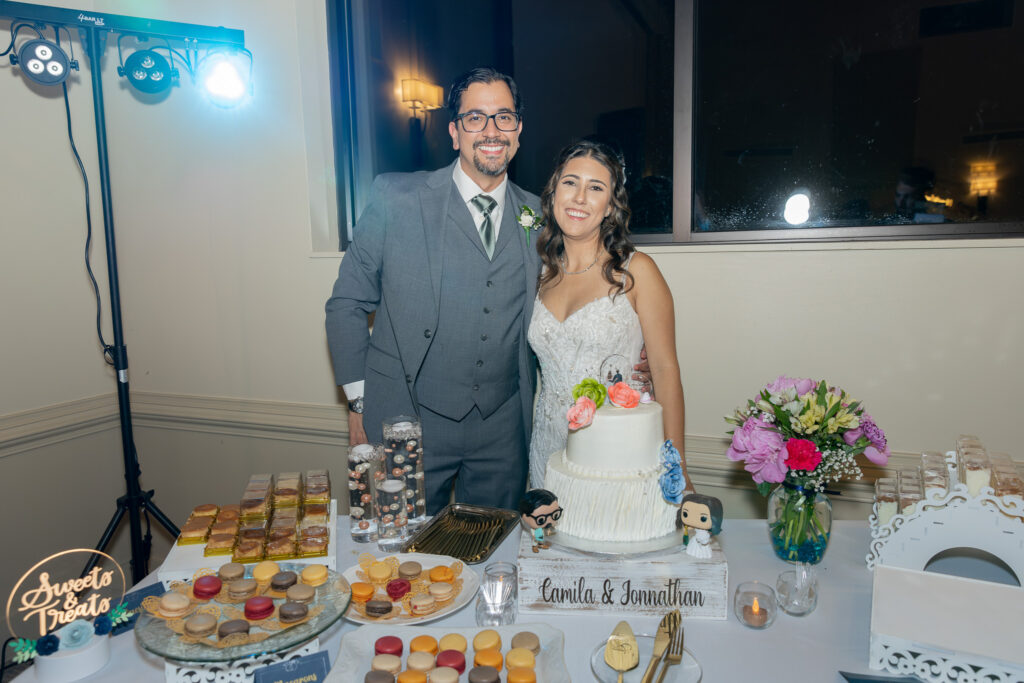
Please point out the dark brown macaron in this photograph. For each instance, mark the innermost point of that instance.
(379, 677)
(483, 674)
(200, 625)
(282, 581)
(378, 608)
(290, 612)
(230, 628)
(300, 592)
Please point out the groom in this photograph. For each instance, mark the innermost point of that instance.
(441, 259)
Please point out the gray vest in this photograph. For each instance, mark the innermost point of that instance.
(473, 355)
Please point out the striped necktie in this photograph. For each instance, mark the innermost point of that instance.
(486, 204)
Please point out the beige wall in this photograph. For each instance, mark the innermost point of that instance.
(223, 296)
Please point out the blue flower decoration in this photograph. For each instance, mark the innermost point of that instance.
(671, 480)
(101, 626)
(47, 645)
(76, 634)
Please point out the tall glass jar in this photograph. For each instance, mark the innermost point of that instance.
(799, 523)
(403, 458)
(364, 467)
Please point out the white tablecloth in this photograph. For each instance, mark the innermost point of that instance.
(813, 648)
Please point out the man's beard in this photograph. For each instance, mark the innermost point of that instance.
(499, 166)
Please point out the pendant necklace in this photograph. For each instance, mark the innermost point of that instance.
(565, 264)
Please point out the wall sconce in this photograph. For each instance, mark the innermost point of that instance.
(983, 178)
(420, 95)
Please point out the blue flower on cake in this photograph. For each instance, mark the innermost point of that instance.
(76, 634)
(47, 645)
(671, 480)
(101, 625)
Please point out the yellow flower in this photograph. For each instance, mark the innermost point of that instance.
(843, 420)
(810, 420)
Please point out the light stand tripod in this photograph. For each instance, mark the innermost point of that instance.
(93, 28)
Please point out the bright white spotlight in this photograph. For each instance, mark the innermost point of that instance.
(224, 78)
(798, 209)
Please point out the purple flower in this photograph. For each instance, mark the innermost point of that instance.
(802, 386)
(877, 450)
(761, 449)
(47, 645)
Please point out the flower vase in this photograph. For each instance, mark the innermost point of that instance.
(799, 523)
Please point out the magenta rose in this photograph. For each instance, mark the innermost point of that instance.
(802, 455)
(760, 447)
(801, 385)
(582, 413)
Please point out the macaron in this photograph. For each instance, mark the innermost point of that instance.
(520, 657)
(231, 571)
(379, 608)
(410, 570)
(396, 588)
(451, 658)
(423, 644)
(412, 677)
(488, 658)
(453, 641)
(230, 628)
(443, 674)
(422, 604)
(518, 674)
(264, 571)
(379, 572)
(258, 608)
(242, 588)
(200, 625)
(379, 677)
(361, 592)
(488, 639)
(442, 573)
(419, 661)
(388, 645)
(174, 605)
(291, 612)
(483, 674)
(300, 593)
(441, 590)
(206, 587)
(527, 640)
(314, 575)
(389, 663)
(282, 581)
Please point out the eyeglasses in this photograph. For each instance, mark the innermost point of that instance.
(540, 519)
(475, 121)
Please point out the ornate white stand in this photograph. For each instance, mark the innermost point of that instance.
(237, 671)
(948, 628)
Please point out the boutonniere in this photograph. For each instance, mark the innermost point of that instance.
(529, 220)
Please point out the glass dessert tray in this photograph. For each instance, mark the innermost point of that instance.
(155, 636)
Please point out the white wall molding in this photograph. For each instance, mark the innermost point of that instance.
(48, 425)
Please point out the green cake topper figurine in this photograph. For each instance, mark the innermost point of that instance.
(539, 511)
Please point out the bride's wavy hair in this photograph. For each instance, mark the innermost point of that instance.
(614, 227)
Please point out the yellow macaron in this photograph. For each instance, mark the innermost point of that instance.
(453, 641)
(487, 639)
(264, 571)
(423, 644)
(314, 575)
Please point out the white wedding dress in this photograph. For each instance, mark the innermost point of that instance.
(570, 351)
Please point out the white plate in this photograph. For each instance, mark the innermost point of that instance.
(356, 651)
(470, 584)
(686, 671)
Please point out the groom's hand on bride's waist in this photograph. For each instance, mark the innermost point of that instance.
(642, 372)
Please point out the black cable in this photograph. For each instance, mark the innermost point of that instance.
(88, 231)
(3, 656)
(14, 35)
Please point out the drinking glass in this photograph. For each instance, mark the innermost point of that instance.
(798, 590)
(498, 600)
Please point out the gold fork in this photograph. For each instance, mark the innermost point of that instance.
(674, 654)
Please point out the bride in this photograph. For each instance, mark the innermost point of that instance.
(596, 297)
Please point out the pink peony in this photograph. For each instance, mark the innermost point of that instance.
(802, 386)
(581, 413)
(760, 447)
(623, 395)
(802, 455)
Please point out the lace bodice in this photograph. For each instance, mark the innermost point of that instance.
(570, 351)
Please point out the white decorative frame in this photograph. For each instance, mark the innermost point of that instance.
(918, 637)
(236, 671)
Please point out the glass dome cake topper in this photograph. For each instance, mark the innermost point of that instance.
(617, 368)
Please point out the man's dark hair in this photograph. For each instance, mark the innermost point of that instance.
(481, 74)
(535, 498)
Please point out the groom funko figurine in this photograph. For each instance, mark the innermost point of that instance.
(539, 511)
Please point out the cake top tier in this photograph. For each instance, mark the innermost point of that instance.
(619, 439)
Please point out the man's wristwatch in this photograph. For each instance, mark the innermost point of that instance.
(356, 406)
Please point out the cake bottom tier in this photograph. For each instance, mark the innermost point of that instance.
(602, 508)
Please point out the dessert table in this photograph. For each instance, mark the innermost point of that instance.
(815, 648)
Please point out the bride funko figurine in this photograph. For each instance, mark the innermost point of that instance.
(702, 516)
(539, 511)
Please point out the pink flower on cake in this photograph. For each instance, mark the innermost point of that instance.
(623, 395)
(760, 447)
(803, 455)
(582, 413)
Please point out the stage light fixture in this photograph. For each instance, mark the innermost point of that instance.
(226, 77)
(148, 71)
(44, 62)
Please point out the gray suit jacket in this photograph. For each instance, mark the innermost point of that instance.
(393, 268)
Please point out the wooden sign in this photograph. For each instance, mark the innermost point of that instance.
(558, 581)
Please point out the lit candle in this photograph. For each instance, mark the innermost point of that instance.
(754, 615)
(754, 604)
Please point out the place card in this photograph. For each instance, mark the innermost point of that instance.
(309, 669)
